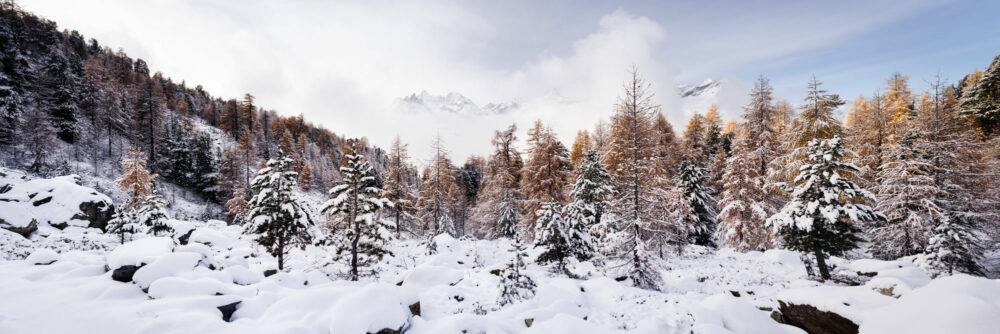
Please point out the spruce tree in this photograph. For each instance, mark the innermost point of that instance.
(562, 237)
(692, 178)
(123, 222)
(954, 246)
(981, 100)
(275, 217)
(515, 284)
(356, 202)
(153, 215)
(820, 218)
(592, 190)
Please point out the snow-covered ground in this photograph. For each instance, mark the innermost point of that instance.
(64, 280)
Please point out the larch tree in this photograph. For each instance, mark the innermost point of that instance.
(437, 191)
(498, 207)
(816, 121)
(668, 149)
(871, 133)
(898, 98)
(356, 202)
(398, 187)
(581, 144)
(135, 178)
(275, 216)
(820, 218)
(694, 136)
(545, 173)
(907, 195)
(746, 202)
(630, 161)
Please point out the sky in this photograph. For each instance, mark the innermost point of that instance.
(345, 64)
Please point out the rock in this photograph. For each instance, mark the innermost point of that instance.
(815, 321)
(124, 273)
(495, 272)
(269, 272)
(98, 213)
(24, 231)
(529, 321)
(778, 317)
(734, 293)
(183, 240)
(389, 331)
(228, 309)
(415, 308)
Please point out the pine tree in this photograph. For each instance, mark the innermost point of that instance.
(746, 203)
(135, 178)
(153, 215)
(562, 233)
(981, 101)
(397, 188)
(515, 284)
(691, 178)
(355, 200)
(820, 219)
(275, 217)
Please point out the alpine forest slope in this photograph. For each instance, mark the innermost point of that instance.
(132, 203)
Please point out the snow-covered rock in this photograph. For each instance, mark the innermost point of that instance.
(43, 256)
(955, 304)
(139, 252)
(725, 314)
(371, 309)
(59, 202)
(164, 266)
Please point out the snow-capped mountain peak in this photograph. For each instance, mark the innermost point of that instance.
(707, 87)
(452, 103)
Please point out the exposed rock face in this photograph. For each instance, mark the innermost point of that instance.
(124, 273)
(415, 309)
(815, 321)
(98, 213)
(24, 231)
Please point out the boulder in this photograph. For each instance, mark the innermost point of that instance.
(228, 310)
(97, 212)
(124, 273)
(25, 230)
(815, 321)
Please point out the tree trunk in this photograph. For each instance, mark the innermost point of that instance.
(281, 253)
(824, 272)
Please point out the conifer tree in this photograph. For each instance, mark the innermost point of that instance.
(153, 215)
(816, 121)
(981, 100)
(906, 194)
(545, 173)
(275, 217)
(581, 144)
(135, 178)
(515, 284)
(38, 138)
(591, 192)
(446, 225)
(562, 233)
(397, 188)
(898, 98)
(355, 201)
(668, 150)
(872, 131)
(954, 246)
(820, 218)
(629, 159)
(498, 205)
(691, 178)
(124, 222)
(438, 190)
(746, 203)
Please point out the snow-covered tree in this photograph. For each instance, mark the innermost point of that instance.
(954, 246)
(153, 215)
(276, 217)
(691, 178)
(437, 191)
(446, 226)
(561, 238)
(816, 121)
(746, 202)
(515, 284)
(545, 173)
(497, 208)
(398, 188)
(820, 218)
(38, 138)
(124, 222)
(906, 195)
(135, 178)
(980, 102)
(355, 200)
(592, 190)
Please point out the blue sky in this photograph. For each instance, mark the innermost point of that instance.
(344, 64)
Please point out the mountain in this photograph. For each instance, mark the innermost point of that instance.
(451, 103)
(697, 99)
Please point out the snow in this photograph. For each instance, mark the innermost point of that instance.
(455, 288)
(166, 265)
(139, 251)
(43, 256)
(49, 201)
